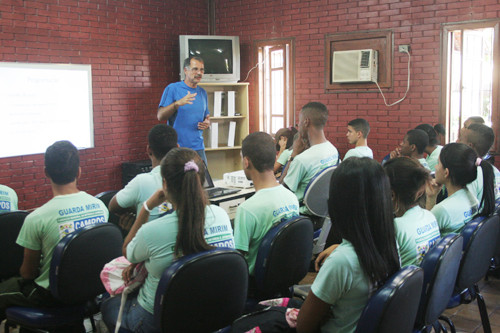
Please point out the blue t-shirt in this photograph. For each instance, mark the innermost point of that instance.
(185, 120)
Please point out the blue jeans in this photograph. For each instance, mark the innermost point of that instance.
(135, 318)
(203, 156)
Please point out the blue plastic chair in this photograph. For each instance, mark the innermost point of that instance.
(440, 265)
(389, 310)
(480, 236)
(202, 292)
(11, 254)
(74, 278)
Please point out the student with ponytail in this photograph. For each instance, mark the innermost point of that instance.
(195, 226)
(456, 168)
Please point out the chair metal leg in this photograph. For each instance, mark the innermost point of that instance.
(482, 311)
(449, 322)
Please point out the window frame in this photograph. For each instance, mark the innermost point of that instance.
(444, 117)
(289, 81)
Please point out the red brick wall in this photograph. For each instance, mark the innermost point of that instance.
(132, 46)
(417, 23)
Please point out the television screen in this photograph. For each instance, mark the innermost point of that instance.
(217, 54)
(221, 55)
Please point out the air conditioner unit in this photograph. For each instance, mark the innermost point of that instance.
(354, 66)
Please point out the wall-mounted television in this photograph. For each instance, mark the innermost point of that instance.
(221, 55)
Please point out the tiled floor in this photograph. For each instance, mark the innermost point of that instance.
(466, 317)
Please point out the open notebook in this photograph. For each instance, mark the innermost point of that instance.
(214, 192)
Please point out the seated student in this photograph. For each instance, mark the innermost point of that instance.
(357, 134)
(69, 210)
(312, 152)
(271, 202)
(193, 227)
(480, 138)
(361, 209)
(284, 140)
(432, 149)
(457, 167)
(8, 199)
(441, 133)
(413, 145)
(467, 123)
(416, 228)
(161, 139)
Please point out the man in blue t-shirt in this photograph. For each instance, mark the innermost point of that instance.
(184, 104)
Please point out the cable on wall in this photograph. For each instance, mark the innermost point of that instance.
(407, 87)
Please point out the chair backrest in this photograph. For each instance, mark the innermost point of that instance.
(202, 292)
(78, 260)
(316, 192)
(106, 197)
(480, 237)
(11, 254)
(284, 256)
(440, 265)
(389, 310)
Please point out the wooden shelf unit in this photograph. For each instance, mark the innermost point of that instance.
(223, 158)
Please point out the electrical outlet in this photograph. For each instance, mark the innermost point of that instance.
(404, 48)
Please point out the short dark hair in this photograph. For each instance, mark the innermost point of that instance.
(360, 125)
(317, 113)
(259, 148)
(418, 138)
(161, 139)
(481, 137)
(187, 61)
(439, 128)
(62, 162)
(475, 120)
(431, 133)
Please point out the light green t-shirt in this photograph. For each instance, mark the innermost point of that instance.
(62, 215)
(8, 199)
(476, 186)
(361, 151)
(455, 211)
(284, 156)
(423, 162)
(433, 158)
(154, 244)
(258, 214)
(139, 190)
(416, 232)
(307, 164)
(342, 283)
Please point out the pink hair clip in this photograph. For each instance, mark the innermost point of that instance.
(190, 165)
(478, 161)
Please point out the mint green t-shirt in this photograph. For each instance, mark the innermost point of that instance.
(361, 151)
(8, 199)
(423, 162)
(455, 211)
(416, 232)
(342, 283)
(139, 190)
(258, 214)
(476, 186)
(433, 158)
(284, 156)
(62, 215)
(306, 165)
(154, 244)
